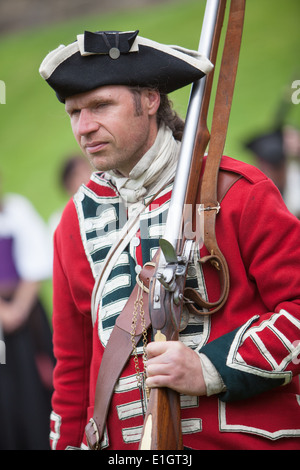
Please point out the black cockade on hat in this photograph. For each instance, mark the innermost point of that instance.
(109, 42)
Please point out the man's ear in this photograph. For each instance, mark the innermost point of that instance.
(153, 101)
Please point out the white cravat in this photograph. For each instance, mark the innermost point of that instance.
(154, 169)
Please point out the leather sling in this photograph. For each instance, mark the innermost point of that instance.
(220, 119)
(113, 362)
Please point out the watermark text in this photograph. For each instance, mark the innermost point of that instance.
(2, 352)
(112, 218)
(2, 92)
(296, 94)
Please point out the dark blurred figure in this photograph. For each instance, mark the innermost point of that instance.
(270, 156)
(291, 143)
(75, 171)
(26, 371)
(277, 154)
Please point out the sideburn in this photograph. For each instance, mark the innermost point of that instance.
(136, 95)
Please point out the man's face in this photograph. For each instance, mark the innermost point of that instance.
(109, 127)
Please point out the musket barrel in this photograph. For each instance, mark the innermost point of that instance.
(166, 291)
(174, 220)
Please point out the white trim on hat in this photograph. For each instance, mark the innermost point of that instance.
(189, 56)
(55, 58)
(62, 53)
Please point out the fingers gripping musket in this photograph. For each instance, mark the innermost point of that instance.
(162, 428)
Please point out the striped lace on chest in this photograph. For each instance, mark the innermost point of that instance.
(102, 219)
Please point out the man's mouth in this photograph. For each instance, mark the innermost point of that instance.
(94, 147)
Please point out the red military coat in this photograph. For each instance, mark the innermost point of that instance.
(253, 341)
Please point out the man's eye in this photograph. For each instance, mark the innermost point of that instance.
(102, 105)
(74, 112)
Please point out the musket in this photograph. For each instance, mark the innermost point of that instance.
(162, 426)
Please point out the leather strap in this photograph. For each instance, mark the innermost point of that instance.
(116, 355)
(208, 196)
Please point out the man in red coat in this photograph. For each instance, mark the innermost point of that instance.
(236, 370)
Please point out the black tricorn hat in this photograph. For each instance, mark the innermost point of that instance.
(268, 147)
(120, 58)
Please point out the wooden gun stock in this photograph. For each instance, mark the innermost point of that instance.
(162, 429)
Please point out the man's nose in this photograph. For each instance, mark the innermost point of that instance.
(86, 122)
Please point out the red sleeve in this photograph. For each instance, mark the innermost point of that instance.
(72, 334)
(271, 253)
(263, 352)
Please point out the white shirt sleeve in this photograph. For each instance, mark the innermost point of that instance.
(32, 240)
(213, 380)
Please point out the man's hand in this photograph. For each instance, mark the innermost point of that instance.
(172, 364)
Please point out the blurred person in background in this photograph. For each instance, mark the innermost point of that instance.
(277, 154)
(26, 375)
(292, 188)
(75, 171)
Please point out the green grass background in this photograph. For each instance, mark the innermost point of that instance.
(35, 134)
